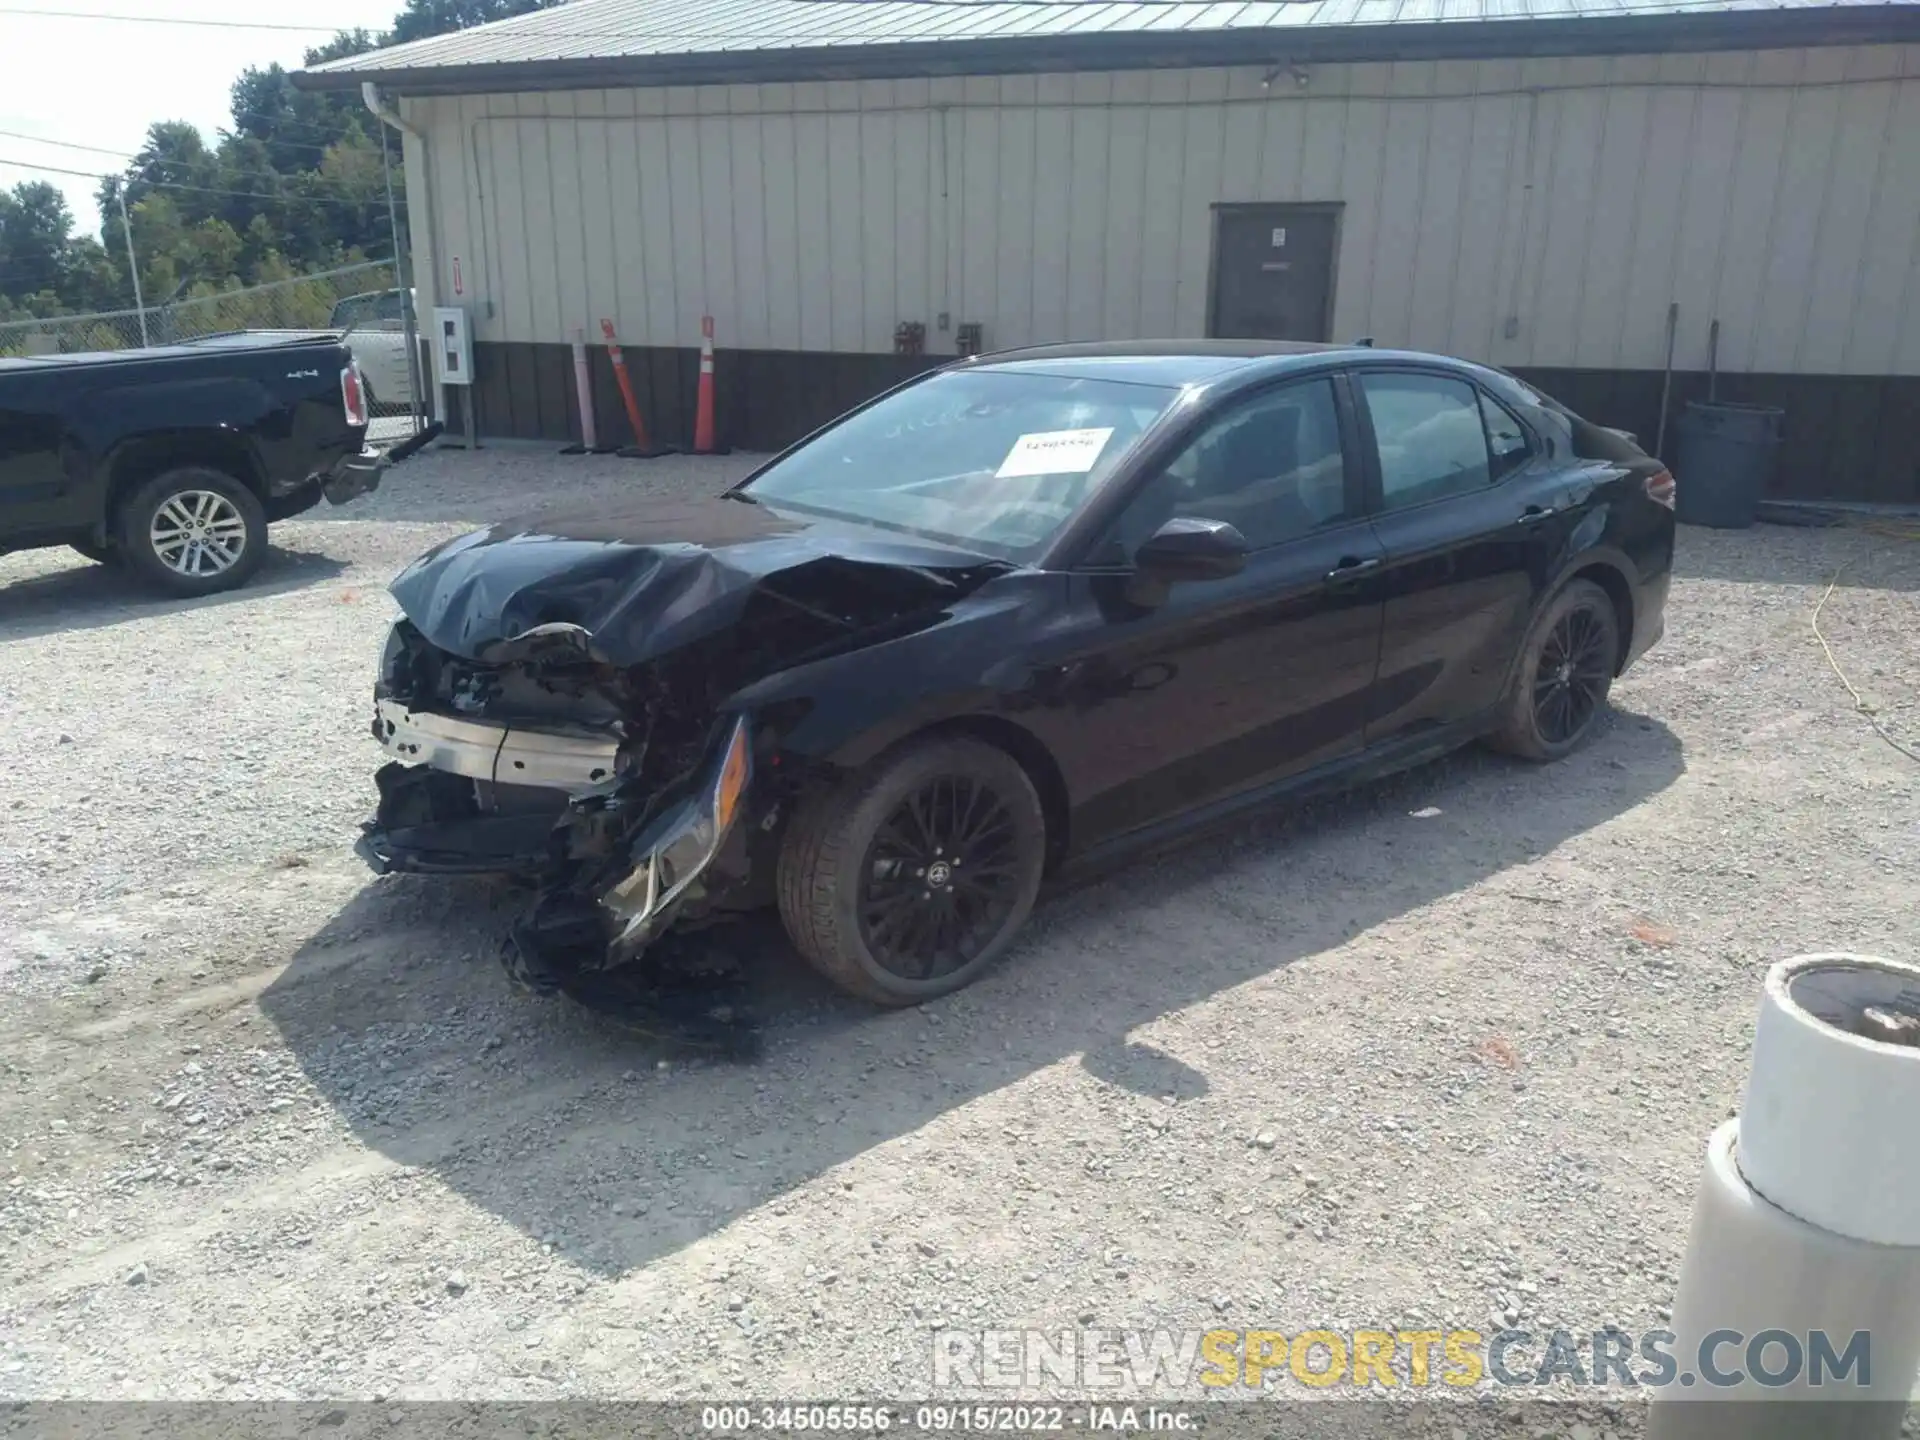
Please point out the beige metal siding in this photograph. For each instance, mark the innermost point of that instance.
(1564, 201)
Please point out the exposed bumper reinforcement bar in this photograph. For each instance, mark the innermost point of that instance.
(479, 751)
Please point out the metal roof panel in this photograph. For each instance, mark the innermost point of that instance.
(638, 31)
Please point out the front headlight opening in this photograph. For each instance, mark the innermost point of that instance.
(667, 866)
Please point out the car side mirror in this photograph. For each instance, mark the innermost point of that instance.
(1189, 548)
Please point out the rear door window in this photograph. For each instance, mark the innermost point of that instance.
(1508, 443)
(1429, 435)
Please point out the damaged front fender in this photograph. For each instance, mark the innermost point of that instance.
(603, 897)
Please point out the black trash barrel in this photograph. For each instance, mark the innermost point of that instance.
(1725, 461)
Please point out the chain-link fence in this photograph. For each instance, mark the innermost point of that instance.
(362, 301)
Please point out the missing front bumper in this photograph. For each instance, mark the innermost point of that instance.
(592, 913)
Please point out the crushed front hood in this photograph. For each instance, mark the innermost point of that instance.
(652, 578)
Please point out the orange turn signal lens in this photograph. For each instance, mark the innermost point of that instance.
(734, 771)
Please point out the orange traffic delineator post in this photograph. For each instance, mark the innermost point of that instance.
(703, 438)
(642, 448)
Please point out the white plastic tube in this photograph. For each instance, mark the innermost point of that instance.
(1830, 1131)
(583, 390)
(1808, 1217)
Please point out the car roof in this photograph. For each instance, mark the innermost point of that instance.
(1185, 362)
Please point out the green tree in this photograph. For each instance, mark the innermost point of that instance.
(35, 227)
(91, 279)
(297, 184)
(422, 18)
(295, 126)
(175, 156)
(344, 44)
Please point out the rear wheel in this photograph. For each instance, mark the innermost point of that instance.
(1564, 676)
(911, 878)
(193, 531)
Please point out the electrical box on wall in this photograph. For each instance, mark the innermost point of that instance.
(452, 346)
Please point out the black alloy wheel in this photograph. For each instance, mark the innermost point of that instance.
(940, 878)
(1571, 680)
(1563, 675)
(909, 878)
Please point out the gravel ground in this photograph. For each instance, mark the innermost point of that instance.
(1445, 1050)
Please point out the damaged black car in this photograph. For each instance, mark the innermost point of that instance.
(1027, 613)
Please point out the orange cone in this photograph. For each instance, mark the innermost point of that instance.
(641, 449)
(703, 438)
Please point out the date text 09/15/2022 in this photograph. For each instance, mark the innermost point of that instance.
(944, 1419)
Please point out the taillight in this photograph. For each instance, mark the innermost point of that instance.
(353, 395)
(1660, 488)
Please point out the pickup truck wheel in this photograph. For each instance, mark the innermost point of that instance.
(911, 877)
(193, 531)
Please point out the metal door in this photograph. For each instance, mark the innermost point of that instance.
(1273, 271)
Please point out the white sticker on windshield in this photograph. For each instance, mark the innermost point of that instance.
(1054, 452)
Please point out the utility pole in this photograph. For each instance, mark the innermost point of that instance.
(133, 265)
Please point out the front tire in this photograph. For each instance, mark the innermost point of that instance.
(193, 531)
(1564, 675)
(909, 879)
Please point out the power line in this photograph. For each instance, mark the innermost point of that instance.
(64, 144)
(168, 20)
(134, 154)
(197, 189)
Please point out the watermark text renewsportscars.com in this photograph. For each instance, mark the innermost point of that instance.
(1147, 1361)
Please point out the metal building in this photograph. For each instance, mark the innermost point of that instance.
(1527, 182)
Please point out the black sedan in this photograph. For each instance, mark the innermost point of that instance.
(1019, 615)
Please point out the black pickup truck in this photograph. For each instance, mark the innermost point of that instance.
(172, 461)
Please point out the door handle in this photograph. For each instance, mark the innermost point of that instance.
(1533, 514)
(1351, 566)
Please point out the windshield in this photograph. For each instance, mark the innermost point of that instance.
(380, 310)
(995, 460)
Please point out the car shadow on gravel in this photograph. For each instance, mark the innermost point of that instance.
(619, 1147)
(87, 595)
